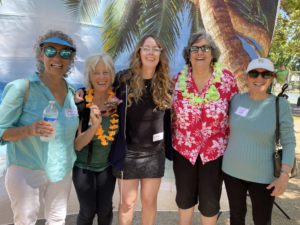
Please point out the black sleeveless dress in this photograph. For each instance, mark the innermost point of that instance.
(146, 155)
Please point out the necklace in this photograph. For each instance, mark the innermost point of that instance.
(212, 93)
(113, 122)
(148, 82)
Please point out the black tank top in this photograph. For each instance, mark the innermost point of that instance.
(142, 123)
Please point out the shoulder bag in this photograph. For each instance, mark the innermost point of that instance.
(278, 148)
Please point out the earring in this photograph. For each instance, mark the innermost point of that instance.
(68, 69)
(42, 67)
(212, 64)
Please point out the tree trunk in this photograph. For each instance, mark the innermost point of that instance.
(253, 30)
(216, 20)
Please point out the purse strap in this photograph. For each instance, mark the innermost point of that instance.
(281, 94)
(27, 91)
(277, 124)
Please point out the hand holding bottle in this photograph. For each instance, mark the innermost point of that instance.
(41, 128)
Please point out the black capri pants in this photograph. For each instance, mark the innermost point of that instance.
(198, 182)
(261, 199)
(94, 191)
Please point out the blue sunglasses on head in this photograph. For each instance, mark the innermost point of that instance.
(51, 52)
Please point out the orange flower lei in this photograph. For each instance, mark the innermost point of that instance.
(113, 122)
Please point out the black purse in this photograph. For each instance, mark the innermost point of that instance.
(278, 148)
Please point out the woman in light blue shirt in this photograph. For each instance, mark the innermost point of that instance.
(34, 168)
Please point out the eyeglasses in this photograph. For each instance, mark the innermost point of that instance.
(109, 110)
(51, 52)
(156, 51)
(265, 74)
(204, 48)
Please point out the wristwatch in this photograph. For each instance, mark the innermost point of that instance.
(287, 173)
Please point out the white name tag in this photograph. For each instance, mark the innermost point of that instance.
(90, 124)
(241, 111)
(71, 112)
(177, 87)
(158, 136)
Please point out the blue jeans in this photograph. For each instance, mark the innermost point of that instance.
(94, 191)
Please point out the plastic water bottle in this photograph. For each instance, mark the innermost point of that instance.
(50, 115)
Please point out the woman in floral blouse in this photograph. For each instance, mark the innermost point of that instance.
(202, 93)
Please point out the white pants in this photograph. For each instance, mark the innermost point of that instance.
(26, 187)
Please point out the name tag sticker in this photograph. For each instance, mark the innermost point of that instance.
(241, 111)
(90, 124)
(158, 136)
(177, 87)
(71, 112)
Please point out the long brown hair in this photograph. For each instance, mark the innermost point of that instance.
(161, 85)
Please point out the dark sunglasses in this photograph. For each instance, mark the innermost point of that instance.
(51, 52)
(110, 111)
(204, 48)
(265, 74)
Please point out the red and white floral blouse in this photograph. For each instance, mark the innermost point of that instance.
(202, 129)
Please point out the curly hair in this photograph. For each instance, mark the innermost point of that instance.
(195, 37)
(161, 85)
(50, 34)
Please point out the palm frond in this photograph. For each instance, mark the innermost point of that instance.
(161, 17)
(251, 10)
(195, 18)
(85, 10)
(120, 29)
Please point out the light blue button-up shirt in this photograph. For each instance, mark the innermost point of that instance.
(56, 158)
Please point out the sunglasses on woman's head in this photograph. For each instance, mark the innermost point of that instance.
(204, 48)
(265, 74)
(51, 52)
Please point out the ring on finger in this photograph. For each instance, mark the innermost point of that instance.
(39, 130)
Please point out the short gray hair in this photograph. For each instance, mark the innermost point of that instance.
(90, 64)
(195, 37)
(51, 34)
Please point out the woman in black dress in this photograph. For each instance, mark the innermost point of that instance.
(144, 140)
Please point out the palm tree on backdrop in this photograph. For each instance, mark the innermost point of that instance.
(229, 21)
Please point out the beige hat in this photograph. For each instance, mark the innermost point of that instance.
(261, 63)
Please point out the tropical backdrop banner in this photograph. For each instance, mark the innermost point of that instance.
(243, 29)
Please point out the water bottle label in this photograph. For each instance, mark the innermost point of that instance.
(50, 119)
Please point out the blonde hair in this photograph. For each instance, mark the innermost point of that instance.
(161, 85)
(90, 64)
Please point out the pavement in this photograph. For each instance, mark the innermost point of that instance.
(295, 110)
(296, 113)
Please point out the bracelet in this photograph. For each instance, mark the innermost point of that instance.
(287, 173)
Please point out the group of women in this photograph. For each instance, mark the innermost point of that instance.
(123, 129)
